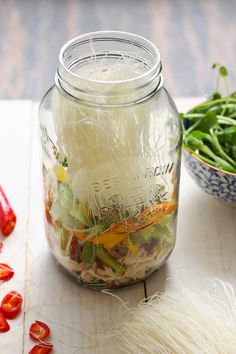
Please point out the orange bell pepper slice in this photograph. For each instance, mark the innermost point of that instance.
(109, 239)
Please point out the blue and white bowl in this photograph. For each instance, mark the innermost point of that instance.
(220, 184)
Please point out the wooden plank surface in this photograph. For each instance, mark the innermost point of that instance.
(79, 318)
(190, 35)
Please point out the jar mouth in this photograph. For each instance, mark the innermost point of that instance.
(85, 64)
(126, 37)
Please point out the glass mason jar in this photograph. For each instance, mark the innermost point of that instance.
(111, 140)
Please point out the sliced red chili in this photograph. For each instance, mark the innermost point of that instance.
(7, 215)
(39, 331)
(4, 325)
(11, 304)
(43, 348)
(6, 272)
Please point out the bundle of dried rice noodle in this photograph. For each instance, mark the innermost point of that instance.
(182, 322)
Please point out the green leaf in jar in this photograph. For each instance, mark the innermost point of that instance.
(79, 213)
(108, 260)
(147, 234)
(66, 196)
(88, 253)
(164, 220)
(152, 232)
(56, 210)
(93, 231)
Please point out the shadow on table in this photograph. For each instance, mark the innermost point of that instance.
(158, 281)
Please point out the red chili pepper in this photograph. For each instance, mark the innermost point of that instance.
(7, 215)
(11, 304)
(43, 348)
(6, 272)
(39, 331)
(4, 325)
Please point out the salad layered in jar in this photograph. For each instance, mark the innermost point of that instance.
(111, 140)
(112, 228)
(116, 250)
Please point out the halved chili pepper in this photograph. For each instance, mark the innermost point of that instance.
(4, 325)
(42, 348)
(39, 331)
(11, 304)
(7, 215)
(6, 272)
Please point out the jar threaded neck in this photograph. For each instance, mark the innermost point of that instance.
(109, 68)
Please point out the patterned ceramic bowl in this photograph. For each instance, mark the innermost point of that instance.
(218, 183)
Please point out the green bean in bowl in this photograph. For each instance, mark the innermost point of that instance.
(209, 142)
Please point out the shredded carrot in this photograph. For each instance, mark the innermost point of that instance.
(161, 209)
(79, 235)
(149, 216)
(126, 226)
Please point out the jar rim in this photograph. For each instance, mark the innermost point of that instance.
(113, 35)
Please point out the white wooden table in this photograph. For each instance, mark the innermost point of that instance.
(206, 247)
